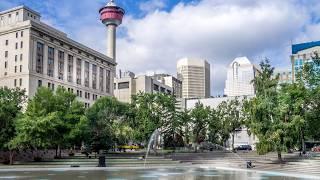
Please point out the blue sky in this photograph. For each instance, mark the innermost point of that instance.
(156, 33)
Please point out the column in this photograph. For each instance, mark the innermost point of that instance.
(74, 76)
(90, 75)
(98, 78)
(82, 71)
(65, 70)
(34, 56)
(45, 59)
(55, 63)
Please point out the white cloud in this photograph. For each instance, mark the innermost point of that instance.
(152, 5)
(214, 30)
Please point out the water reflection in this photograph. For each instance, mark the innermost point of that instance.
(161, 174)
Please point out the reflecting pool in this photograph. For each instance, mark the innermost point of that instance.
(137, 174)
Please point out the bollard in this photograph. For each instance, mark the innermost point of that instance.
(102, 161)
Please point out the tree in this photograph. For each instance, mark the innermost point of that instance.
(214, 127)
(49, 121)
(154, 111)
(265, 117)
(230, 112)
(11, 104)
(103, 117)
(200, 117)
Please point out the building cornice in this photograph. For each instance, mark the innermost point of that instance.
(48, 30)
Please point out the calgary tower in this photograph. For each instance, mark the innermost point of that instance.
(111, 15)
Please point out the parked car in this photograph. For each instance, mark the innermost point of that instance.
(243, 148)
(316, 149)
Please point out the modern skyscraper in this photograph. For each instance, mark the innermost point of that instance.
(240, 75)
(195, 77)
(301, 54)
(111, 15)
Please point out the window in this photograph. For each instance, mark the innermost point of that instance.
(101, 79)
(20, 82)
(6, 54)
(155, 87)
(17, 34)
(7, 42)
(108, 81)
(16, 58)
(86, 74)
(9, 15)
(80, 93)
(61, 64)
(21, 34)
(50, 62)
(79, 71)
(70, 68)
(15, 83)
(39, 59)
(17, 13)
(5, 64)
(88, 96)
(162, 89)
(16, 45)
(39, 83)
(49, 85)
(94, 76)
(21, 44)
(123, 85)
(20, 68)
(21, 56)
(15, 69)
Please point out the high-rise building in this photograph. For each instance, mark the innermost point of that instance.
(301, 54)
(127, 85)
(241, 72)
(195, 77)
(34, 54)
(172, 82)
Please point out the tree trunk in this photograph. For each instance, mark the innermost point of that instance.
(59, 151)
(303, 143)
(279, 156)
(56, 151)
(232, 146)
(11, 157)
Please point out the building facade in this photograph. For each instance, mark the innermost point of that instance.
(242, 137)
(195, 77)
(127, 85)
(172, 82)
(241, 72)
(33, 54)
(301, 54)
(285, 76)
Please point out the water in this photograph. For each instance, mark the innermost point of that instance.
(152, 141)
(137, 174)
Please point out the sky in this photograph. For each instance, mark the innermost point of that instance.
(155, 34)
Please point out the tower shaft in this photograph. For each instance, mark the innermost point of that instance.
(111, 43)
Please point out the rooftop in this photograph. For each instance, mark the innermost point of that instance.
(20, 7)
(302, 46)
